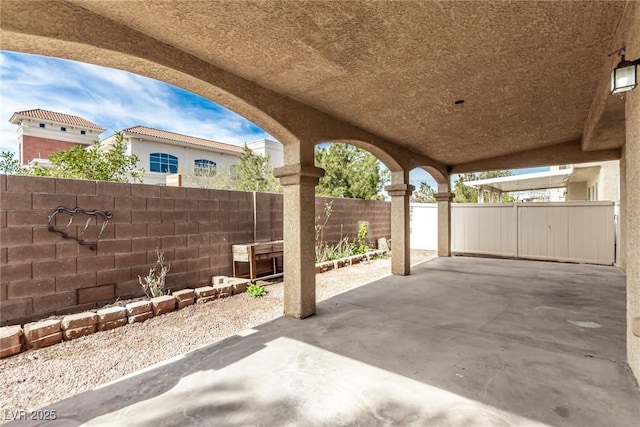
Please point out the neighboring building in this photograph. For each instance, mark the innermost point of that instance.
(593, 181)
(162, 153)
(42, 133)
(271, 148)
(581, 182)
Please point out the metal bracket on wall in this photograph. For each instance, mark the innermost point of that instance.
(91, 215)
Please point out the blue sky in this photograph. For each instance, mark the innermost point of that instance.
(111, 98)
(117, 100)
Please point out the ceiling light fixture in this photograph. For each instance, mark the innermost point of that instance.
(625, 76)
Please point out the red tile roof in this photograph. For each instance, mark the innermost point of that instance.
(58, 117)
(143, 130)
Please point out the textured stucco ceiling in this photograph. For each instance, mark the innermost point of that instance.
(527, 71)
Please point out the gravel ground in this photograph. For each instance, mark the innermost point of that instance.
(37, 378)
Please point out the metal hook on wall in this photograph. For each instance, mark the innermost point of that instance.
(91, 215)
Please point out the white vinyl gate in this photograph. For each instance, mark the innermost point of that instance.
(564, 231)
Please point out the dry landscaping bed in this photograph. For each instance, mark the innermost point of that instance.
(36, 378)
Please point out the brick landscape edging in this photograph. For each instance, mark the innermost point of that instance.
(34, 335)
(343, 262)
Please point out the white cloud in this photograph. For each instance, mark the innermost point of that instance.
(111, 98)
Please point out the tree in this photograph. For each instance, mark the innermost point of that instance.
(424, 194)
(9, 164)
(349, 172)
(252, 173)
(465, 194)
(96, 163)
(494, 174)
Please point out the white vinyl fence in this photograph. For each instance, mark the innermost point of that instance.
(566, 231)
(424, 226)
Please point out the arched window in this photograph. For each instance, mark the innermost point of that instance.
(204, 167)
(163, 162)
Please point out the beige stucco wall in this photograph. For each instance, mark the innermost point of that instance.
(273, 149)
(609, 181)
(632, 193)
(576, 191)
(606, 180)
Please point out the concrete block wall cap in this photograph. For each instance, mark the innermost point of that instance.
(37, 330)
(74, 321)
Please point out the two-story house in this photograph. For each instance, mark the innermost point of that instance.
(42, 133)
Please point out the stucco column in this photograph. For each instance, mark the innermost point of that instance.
(444, 198)
(622, 218)
(481, 194)
(400, 227)
(631, 239)
(299, 182)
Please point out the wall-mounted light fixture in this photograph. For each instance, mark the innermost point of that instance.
(625, 76)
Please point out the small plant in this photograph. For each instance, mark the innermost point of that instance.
(153, 283)
(256, 290)
(328, 210)
(361, 246)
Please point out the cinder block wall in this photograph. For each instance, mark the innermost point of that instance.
(346, 215)
(42, 273)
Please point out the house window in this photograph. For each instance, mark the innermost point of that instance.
(163, 162)
(63, 129)
(204, 167)
(83, 132)
(41, 125)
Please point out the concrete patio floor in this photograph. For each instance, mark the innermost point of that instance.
(460, 342)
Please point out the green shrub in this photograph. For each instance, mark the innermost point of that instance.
(256, 290)
(360, 246)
